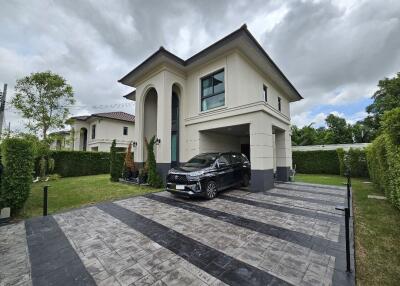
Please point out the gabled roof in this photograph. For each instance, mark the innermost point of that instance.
(241, 38)
(118, 115)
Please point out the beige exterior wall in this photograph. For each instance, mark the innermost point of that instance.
(244, 104)
(106, 131)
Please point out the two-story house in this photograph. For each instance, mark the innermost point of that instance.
(97, 131)
(228, 97)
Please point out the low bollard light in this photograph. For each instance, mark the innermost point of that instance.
(45, 195)
(347, 230)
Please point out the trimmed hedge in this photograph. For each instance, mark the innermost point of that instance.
(16, 179)
(316, 162)
(333, 162)
(356, 161)
(383, 157)
(81, 163)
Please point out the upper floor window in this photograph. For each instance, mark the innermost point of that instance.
(93, 131)
(213, 91)
(125, 131)
(265, 93)
(279, 104)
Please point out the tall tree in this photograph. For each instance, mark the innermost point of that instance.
(386, 98)
(43, 98)
(338, 131)
(361, 132)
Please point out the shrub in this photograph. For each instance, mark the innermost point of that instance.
(154, 179)
(316, 162)
(18, 163)
(342, 166)
(383, 157)
(356, 162)
(115, 173)
(82, 163)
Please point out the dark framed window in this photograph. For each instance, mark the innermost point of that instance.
(265, 93)
(125, 132)
(279, 103)
(213, 90)
(93, 131)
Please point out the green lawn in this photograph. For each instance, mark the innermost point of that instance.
(377, 230)
(67, 193)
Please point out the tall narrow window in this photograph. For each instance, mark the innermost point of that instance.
(265, 93)
(213, 91)
(93, 131)
(125, 131)
(279, 104)
(175, 130)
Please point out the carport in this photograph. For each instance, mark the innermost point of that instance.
(229, 138)
(267, 150)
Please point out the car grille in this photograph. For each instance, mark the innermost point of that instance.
(177, 179)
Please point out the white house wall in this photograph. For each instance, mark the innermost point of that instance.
(244, 104)
(106, 131)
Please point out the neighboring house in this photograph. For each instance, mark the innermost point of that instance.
(97, 131)
(61, 140)
(228, 97)
(345, 147)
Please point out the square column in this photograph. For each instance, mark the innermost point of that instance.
(283, 155)
(163, 150)
(261, 154)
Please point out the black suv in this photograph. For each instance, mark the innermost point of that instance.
(208, 173)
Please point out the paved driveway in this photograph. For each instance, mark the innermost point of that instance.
(290, 235)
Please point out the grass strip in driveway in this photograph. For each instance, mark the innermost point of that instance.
(377, 231)
(74, 192)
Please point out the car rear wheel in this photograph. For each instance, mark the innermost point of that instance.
(211, 190)
(246, 180)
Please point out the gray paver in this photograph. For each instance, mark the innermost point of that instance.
(240, 243)
(311, 226)
(14, 256)
(115, 254)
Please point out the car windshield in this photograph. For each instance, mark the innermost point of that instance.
(202, 160)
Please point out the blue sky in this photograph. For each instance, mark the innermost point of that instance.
(334, 52)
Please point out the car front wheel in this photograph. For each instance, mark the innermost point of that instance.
(211, 190)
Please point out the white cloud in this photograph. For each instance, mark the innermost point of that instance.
(334, 52)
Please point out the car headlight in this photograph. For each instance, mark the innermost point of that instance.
(196, 173)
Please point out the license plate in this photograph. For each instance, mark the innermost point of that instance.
(180, 187)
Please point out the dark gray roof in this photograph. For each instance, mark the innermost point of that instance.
(117, 115)
(234, 35)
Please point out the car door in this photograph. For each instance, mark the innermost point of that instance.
(225, 171)
(236, 162)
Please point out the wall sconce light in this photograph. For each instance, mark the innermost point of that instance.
(134, 143)
(158, 141)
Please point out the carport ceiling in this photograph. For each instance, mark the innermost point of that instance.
(236, 130)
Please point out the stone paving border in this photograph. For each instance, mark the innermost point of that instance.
(15, 267)
(311, 192)
(297, 198)
(53, 259)
(309, 185)
(225, 268)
